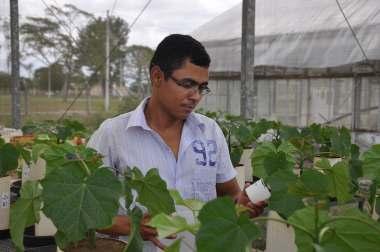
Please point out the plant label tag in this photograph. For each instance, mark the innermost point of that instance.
(26, 171)
(4, 200)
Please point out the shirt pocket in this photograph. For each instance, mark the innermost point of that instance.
(203, 183)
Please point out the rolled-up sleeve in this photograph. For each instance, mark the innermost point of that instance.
(101, 141)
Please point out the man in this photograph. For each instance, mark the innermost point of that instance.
(188, 149)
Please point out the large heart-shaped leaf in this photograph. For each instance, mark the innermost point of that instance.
(282, 200)
(339, 179)
(8, 159)
(25, 212)
(193, 204)
(222, 229)
(152, 191)
(77, 202)
(357, 235)
(307, 220)
(167, 225)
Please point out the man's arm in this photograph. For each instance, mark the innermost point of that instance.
(122, 225)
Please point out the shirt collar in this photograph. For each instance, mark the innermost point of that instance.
(138, 119)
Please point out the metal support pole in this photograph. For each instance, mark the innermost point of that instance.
(248, 102)
(107, 87)
(15, 58)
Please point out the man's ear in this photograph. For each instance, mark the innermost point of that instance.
(156, 76)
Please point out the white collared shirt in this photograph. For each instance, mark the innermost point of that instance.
(203, 157)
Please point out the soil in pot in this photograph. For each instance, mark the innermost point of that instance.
(102, 244)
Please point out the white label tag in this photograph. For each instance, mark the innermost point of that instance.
(26, 172)
(4, 200)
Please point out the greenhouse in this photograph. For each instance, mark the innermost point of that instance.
(259, 132)
(308, 64)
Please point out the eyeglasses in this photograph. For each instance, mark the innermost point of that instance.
(192, 85)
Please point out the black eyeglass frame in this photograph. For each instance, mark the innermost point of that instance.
(188, 84)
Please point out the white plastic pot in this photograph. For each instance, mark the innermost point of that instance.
(33, 171)
(5, 198)
(258, 191)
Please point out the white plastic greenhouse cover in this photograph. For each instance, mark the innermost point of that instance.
(296, 33)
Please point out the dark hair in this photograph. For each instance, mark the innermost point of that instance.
(173, 50)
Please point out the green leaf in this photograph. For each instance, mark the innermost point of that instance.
(312, 183)
(192, 204)
(152, 191)
(361, 234)
(371, 163)
(8, 159)
(25, 212)
(341, 142)
(135, 241)
(167, 225)
(222, 230)
(306, 218)
(235, 154)
(262, 151)
(276, 161)
(77, 202)
(339, 179)
(174, 247)
(282, 200)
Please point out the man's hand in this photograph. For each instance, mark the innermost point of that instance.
(254, 209)
(122, 225)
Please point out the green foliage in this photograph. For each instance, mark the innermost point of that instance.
(9, 156)
(167, 225)
(371, 163)
(222, 229)
(91, 44)
(310, 221)
(25, 212)
(41, 77)
(135, 242)
(71, 193)
(151, 189)
(56, 131)
(137, 69)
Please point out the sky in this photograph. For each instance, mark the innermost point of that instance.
(160, 18)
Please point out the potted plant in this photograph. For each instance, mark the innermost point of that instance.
(67, 195)
(9, 160)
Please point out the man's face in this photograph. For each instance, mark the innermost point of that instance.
(181, 92)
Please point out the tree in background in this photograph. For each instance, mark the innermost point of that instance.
(53, 38)
(41, 77)
(92, 41)
(137, 69)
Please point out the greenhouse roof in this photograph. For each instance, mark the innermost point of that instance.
(296, 33)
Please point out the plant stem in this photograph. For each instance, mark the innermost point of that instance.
(284, 222)
(316, 220)
(92, 238)
(342, 218)
(84, 165)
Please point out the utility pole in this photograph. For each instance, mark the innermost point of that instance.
(15, 87)
(107, 88)
(248, 90)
